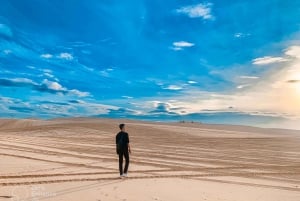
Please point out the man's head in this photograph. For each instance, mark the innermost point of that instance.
(122, 127)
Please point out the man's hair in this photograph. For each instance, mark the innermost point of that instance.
(121, 126)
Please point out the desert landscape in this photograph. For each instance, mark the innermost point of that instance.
(75, 160)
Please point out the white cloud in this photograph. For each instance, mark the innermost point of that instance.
(180, 45)
(173, 87)
(192, 82)
(31, 67)
(53, 85)
(46, 56)
(48, 75)
(249, 77)
(176, 48)
(197, 11)
(241, 35)
(238, 35)
(46, 70)
(242, 86)
(277, 91)
(23, 81)
(268, 60)
(183, 44)
(293, 51)
(127, 97)
(66, 56)
(79, 93)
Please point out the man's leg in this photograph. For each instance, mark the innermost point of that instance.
(126, 154)
(121, 162)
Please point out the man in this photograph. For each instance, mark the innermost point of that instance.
(123, 149)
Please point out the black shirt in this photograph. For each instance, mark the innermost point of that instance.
(123, 138)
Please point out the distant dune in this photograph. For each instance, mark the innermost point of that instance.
(75, 159)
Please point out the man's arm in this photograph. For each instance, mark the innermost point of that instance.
(129, 150)
(128, 145)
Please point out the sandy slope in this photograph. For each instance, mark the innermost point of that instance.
(74, 159)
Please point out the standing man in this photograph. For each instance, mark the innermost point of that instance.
(123, 149)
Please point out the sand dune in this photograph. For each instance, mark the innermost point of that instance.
(74, 159)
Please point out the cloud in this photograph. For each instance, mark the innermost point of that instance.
(48, 75)
(21, 109)
(17, 82)
(192, 82)
(242, 86)
(197, 11)
(46, 56)
(275, 91)
(241, 35)
(268, 60)
(249, 77)
(77, 101)
(79, 93)
(66, 56)
(180, 45)
(293, 51)
(176, 48)
(183, 44)
(5, 31)
(161, 108)
(55, 86)
(45, 86)
(127, 97)
(173, 87)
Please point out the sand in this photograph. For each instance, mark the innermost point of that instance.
(75, 160)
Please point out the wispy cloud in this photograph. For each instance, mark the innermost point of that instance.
(66, 56)
(46, 56)
(278, 84)
(293, 51)
(45, 86)
(176, 48)
(197, 11)
(55, 86)
(79, 93)
(242, 86)
(241, 35)
(268, 60)
(161, 108)
(106, 72)
(127, 97)
(16, 82)
(183, 44)
(249, 77)
(173, 87)
(180, 45)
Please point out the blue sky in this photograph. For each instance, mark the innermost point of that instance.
(213, 61)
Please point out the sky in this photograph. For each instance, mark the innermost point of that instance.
(224, 62)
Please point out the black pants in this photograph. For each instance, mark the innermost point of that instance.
(123, 153)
